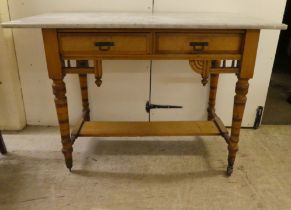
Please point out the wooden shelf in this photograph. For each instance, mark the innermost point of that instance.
(173, 128)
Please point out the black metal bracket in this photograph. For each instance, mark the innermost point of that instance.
(150, 106)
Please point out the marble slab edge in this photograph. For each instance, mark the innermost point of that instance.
(140, 26)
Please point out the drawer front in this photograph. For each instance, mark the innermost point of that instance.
(104, 43)
(189, 43)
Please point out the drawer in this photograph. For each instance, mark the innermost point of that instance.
(207, 43)
(104, 43)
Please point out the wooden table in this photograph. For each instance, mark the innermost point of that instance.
(207, 41)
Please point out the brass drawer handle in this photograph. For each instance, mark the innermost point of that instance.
(198, 46)
(104, 46)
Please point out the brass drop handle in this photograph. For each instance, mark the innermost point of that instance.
(104, 46)
(198, 46)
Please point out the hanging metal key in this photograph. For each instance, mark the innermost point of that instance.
(150, 106)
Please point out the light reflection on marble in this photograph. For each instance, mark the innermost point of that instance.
(144, 20)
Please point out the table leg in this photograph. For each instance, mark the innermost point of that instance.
(212, 94)
(240, 99)
(3, 149)
(59, 90)
(84, 94)
(84, 89)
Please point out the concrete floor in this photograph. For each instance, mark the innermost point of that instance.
(146, 173)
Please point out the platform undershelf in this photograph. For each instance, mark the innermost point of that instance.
(173, 128)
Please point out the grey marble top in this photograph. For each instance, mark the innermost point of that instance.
(144, 20)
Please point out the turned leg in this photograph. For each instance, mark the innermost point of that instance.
(59, 90)
(2, 145)
(84, 90)
(84, 94)
(240, 99)
(213, 89)
(98, 72)
(212, 94)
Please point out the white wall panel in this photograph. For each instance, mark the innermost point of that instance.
(175, 83)
(12, 114)
(23, 8)
(116, 99)
(270, 9)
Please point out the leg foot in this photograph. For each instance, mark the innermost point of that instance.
(229, 169)
(69, 163)
(3, 149)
